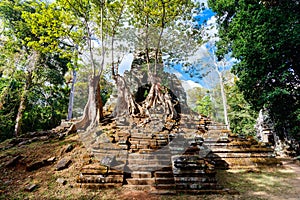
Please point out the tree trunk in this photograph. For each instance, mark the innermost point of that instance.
(224, 100)
(160, 35)
(71, 99)
(93, 109)
(32, 61)
(22, 105)
(126, 104)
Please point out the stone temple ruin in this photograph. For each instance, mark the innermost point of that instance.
(161, 154)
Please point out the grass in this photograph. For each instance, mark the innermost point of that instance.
(265, 184)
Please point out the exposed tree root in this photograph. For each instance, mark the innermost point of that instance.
(126, 104)
(158, 97)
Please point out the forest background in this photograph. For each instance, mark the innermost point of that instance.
(244, 54)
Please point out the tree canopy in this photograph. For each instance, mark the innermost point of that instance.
(264, 37)
(40, 41)
(33, 93)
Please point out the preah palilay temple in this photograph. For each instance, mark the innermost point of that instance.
(152, 99)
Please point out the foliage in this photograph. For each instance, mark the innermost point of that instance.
(241, 115)
(264, 37)
(34, 66)
(46, 107)
(207, 101)
(164, 26)
(8, 105)
(204, 106)
(194, 95)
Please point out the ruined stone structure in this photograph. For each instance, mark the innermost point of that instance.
(146, 158)
(163, 154)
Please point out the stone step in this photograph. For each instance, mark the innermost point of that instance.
(196, 179)
(216, 127)
(123, 133)
(220, 132)
(218, 141)
(118, 157)
(215, 137)
(154, 155)
(111, 147)
(100, 179)
(239, 147)
(94, 169)
(189, 129)
(193, 173)
(101, 171)
(97, 186)
(141, 136)
(140, 181)
(113, 171)
(139, 156)
(134, 141)
(195, 186)
(146, 151)
(256, 162)
(115, 151)
(240, 155)
(161, 174)
(164, 180)
(168, 186)
(242, 150)
(118, 153)
(167, 191)
(141, 174)
(148, 168)
(157, 162)
(140, 187)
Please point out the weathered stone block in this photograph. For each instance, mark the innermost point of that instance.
(164, 180)
(30, 187)
(37, 165)
(94, 169)
(61, 181)
(141, 181)
(141, 174)
(63, 164)
(13, 161)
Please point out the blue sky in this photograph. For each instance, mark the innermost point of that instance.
(205, 18)
(185, 76)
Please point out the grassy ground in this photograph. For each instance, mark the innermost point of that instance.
(272, 183)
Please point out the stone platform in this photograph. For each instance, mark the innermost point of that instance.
(167, 156)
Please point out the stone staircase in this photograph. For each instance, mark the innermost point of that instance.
(167, 156)
(233, 151)
(147, 170)
(96, 176)
(149, 158)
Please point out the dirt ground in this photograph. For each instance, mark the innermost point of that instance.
(281, 182)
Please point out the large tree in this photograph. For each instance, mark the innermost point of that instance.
(264, 37)
(86, 21)
(151, 18)
(32, 57)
